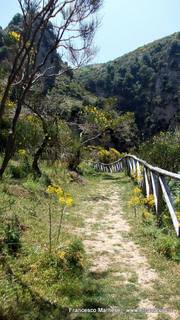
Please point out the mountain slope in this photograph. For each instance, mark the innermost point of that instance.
(145, 81)
(7, 53)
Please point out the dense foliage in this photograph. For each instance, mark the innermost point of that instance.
(163, 151)
(145, 81)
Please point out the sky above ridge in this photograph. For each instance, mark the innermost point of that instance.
(125, 24)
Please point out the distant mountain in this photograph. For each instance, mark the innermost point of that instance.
(145, 81)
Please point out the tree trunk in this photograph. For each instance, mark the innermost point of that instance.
(73, 165)
(5, 98)
(8, 153)
(10, 146)
(37, 155)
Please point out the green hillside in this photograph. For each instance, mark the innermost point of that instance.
(145, 81)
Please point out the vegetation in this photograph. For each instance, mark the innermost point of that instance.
(144, 81)
(28, 65)
(53, 204)
(166, 144)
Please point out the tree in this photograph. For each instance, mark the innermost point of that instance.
(73, 30)
(55, 135)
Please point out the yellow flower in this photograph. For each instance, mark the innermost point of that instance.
(22, 152)
(146, 215)
(134, 201)
(69, 200)
(61, 255)
(15, 36)
(137, 190)
(54, 190)
(149, 200)
(62, 201)
(66, 200)
(10, 104)
(139, 178)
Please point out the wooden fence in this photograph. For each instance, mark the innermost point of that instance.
(152, 180)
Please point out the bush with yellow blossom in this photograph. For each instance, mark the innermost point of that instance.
(149, 201)
(136, 199)
(15, 36)
(97, 117)
(108, 156)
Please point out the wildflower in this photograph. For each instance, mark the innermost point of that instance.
(22, 152)
(134, 201)
(62, 201)
(69, 200)
(66, 200)
(136, 190)
(15, 36)
(149, 200)
(139, 178)
(61, 255)
(146, 215)
(10, 104)
(54, 189)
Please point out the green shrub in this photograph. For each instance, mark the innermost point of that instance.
(151, 231)
(29, 133)
(45, 180)
(17, 172)
(68, 259)
(12, 235)
(75, 255)
(31, 184)
(168, 246)
(162, 150)
(85, 169)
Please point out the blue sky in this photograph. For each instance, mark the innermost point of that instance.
(126, 24)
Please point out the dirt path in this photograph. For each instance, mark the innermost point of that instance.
(112, 252)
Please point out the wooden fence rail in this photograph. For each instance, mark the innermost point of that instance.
(152, 180)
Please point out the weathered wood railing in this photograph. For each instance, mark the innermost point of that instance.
(152, 180)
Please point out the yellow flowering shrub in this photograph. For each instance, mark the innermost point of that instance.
(147, 216)
(108, 156)
(14, 36)
(149, 200)
(136, 190)
(134, 201)
(98, 117)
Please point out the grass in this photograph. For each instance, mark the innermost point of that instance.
(36, 285)
(31, 285)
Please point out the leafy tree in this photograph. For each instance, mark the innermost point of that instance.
(75, 22)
